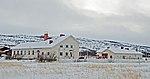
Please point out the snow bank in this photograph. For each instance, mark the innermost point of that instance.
(85, 70)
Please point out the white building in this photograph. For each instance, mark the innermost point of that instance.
(124, 53)
(64, 47)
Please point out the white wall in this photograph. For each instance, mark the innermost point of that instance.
(69, 41)
(56, 49)
(120, 55)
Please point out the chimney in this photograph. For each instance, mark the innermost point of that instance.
(45, 36)
(61, 35)
(50, 41)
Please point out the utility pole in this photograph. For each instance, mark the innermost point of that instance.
(87, 53)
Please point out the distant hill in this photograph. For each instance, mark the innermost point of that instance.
(13, 40)
(98, 44)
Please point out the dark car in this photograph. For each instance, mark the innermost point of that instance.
(82, 59)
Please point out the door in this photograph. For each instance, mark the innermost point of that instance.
(105, 55)
(124, 57)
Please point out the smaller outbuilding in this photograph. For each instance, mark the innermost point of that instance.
(120, 53)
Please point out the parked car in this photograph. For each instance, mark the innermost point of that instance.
(82, 59)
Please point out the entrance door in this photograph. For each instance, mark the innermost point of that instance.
(124, 57)
(105, 55)
(70, 54)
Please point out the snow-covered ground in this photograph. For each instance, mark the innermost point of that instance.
(82, 70)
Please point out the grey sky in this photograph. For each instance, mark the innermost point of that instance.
(122, 20)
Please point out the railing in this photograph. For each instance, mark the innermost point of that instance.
(116, 60)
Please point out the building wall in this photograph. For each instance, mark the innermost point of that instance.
(122, 55)
(128, 56)
(70, 45)
(16, 53)
(69, 50)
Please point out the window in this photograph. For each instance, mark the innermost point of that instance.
(14, 52)
(17, 52)
(66, 53)
(67, 46)
(71, 46)
(21, 53)
(28, 52)
(33, 52)
(61, 46)
(42, 53)
(110, 56)
(47, 53)
(38, 51)
(61, 53)
(24, 52)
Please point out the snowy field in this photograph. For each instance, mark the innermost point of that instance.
(82, 70)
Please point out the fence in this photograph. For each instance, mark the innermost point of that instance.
(106, 60)
(116, 60)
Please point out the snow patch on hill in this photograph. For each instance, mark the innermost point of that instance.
(92, 44)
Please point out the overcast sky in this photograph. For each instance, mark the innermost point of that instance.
(121, 20)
